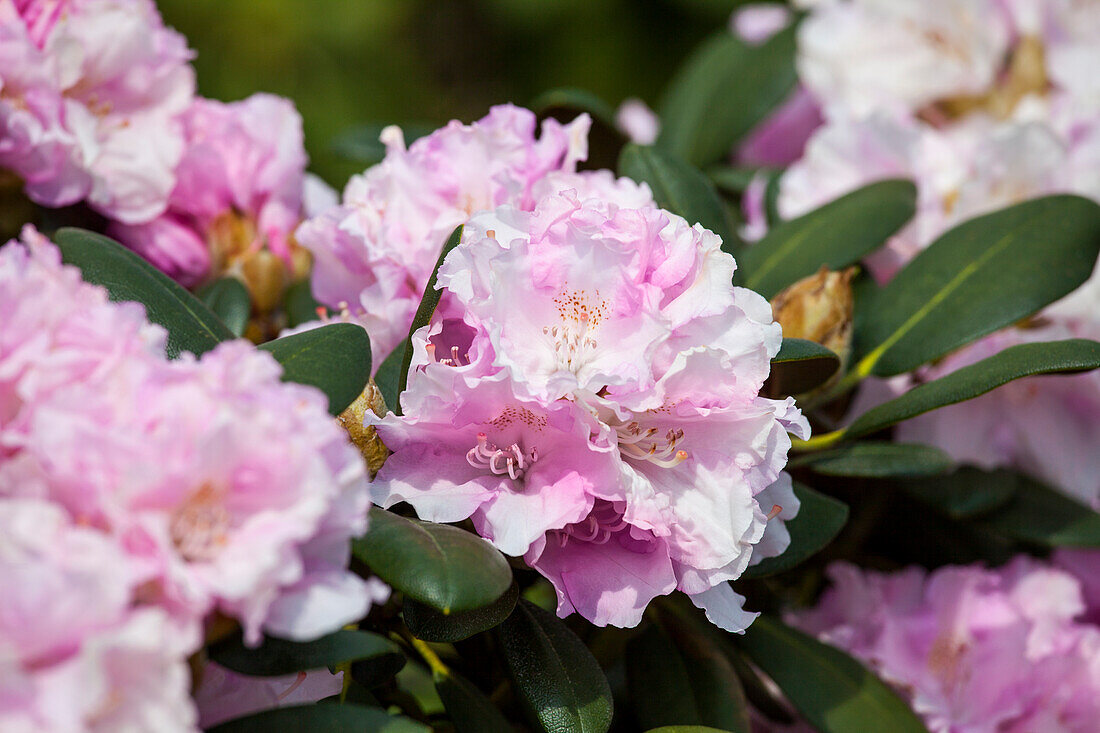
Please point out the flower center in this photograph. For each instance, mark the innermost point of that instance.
(200, 526)
(642, 444)
(511, 460)
(581, 315)
(604, 523)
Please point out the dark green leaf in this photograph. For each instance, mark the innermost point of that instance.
(555, 675)
(873, 459)
(800, 366)
(334, 358)
(430, 625)
(423, 315)
(191, 325)
(722, 91)
(371, 673)
(572, 98)
(680, 188)
(681, 678)
(982, 275)
(835, 235)
(968, 492)
(469, 709)
(388, 376)
(1042, 516)
(325, 718)
(832, 690)
(736, 180)
(299, 304)
(361, 144)
(819, 520)
(439, 565)
(228, 298)
(1022, 360)
(276, 657)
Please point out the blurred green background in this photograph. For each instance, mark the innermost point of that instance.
(348, 62)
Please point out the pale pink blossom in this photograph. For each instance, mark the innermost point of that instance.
(241, 160)
(755, 23)
(860, 56)
(90, 94)
(637, 121)
(973, 650)
(780, 139)
(374, 253)
(588, 393)
(224, 695)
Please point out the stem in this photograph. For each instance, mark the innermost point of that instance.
(434, 662)
(817, 442)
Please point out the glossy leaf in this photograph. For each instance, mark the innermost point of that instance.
(388, 376)
(468, 707)
(818, 522)
(126, 276)
(322, 718)
(968, 492)
(276, 657)
(800, 366)
(832, 690)
(334, 358)
(430, 625)
(1040, 515)
(299, 304)
(362, 144)
(1015, 362)
(982, 275)
(682, 678)
(228, 298)
(680, 188)
(835, 235)
(438, 565)
(874, 459)
(722, 91)
(423, 315)
(572, 98)
(555, 675)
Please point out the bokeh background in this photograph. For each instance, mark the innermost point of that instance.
(351, 62)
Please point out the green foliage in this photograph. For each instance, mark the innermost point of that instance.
(228, 298)
(438, 565)
(470, 710)
(984, 274)
(190, 324)
(878, 459)
(334, 358)
(276, 657)
(801, 365)
(680, 188)
(573, 98)
(1038, 515)
(430, 625)
(559, 681)
(836, 693)
(836, 235)
(299, 304)
(327, 718)
(724, 88)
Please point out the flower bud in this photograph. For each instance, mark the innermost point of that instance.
(364, 437)
(819, 308)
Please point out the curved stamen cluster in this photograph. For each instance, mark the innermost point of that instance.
(603, 523)
(510, 460)
(632, 445)
(456, 358)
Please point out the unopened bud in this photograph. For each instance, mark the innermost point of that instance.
(364, 437)
(819, 308)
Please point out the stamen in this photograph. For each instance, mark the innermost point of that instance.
(297, 683)
(776, 509)
(510, 461)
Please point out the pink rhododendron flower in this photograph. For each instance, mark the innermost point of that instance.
(374, 253)
(900, 55)
(755, 23)
(227, 488)
(638, 122)
(75, 655)
(781, 138)
(610, 428)
(90, 94)
(972, 649)
(239, 189)
(224, 695)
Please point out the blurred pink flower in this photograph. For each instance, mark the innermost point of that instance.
(637, 121)
(972, 649)
(91, 91)
(224, 695)
(374, 253)
(241, 160)
(610, 430)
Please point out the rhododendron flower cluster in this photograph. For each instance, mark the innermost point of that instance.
(90, 91)
(973, 649)
(141, 496)
(374, 253)
(588, 394)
